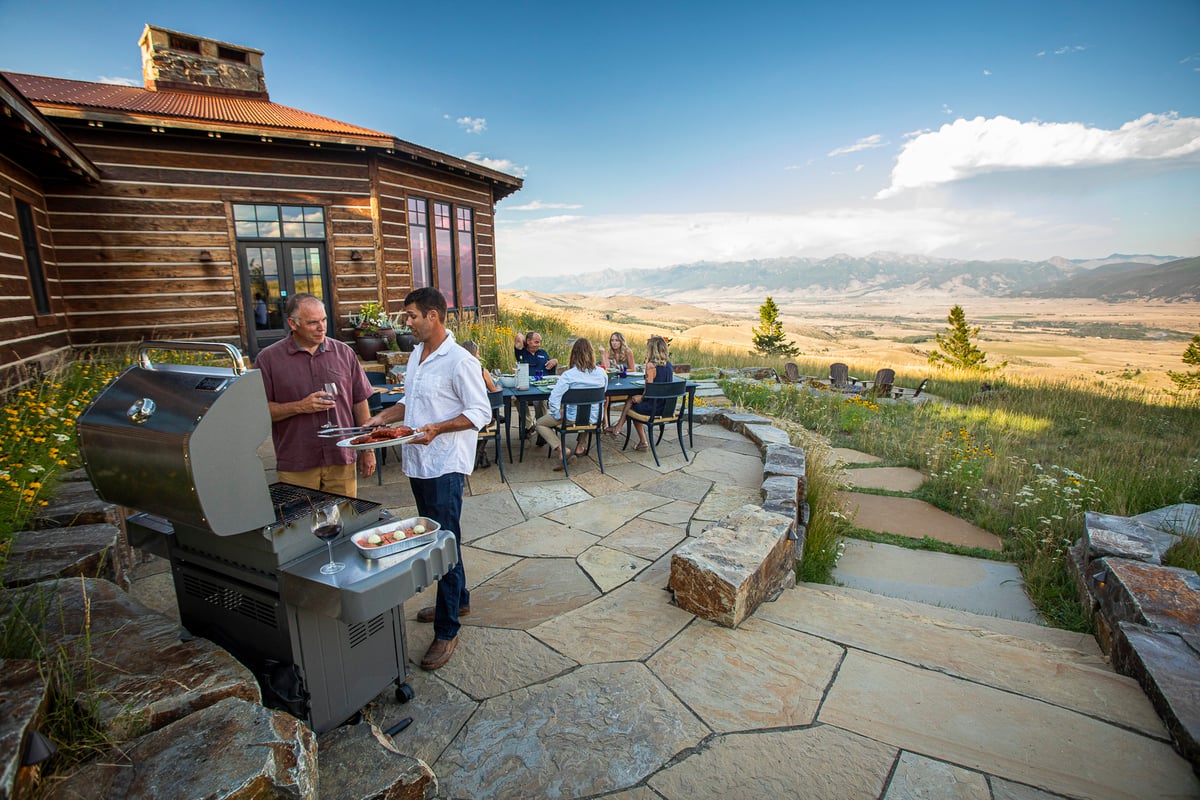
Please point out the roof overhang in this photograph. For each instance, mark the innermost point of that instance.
(502, 183)
(34, 142)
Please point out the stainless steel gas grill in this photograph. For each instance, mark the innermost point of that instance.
(177, 445)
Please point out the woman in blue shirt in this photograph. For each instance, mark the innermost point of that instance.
(658, 370)
(582, 374)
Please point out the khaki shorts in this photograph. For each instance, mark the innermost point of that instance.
(339, 479)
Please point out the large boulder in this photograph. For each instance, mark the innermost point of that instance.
(233, 750)
(357, 765)
(22, 701)
(726, 572)
(88, 551)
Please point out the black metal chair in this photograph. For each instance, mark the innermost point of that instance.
(492, 429)
(375, 405)
(668, 406)
(585, 402)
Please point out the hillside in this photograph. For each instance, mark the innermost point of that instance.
(1175, 281)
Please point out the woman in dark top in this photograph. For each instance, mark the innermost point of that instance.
(658, 370)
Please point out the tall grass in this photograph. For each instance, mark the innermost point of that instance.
(1023, 460)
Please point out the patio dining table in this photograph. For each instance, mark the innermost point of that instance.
(617, 387)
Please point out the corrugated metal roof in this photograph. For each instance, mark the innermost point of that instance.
(215, 108)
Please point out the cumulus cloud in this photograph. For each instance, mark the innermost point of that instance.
(987, 72)
(966, 148)
(866, 143)
(472, 124)
(538, 205)
(541, 247)
(947, 109)
(499, 164)
(117, 81)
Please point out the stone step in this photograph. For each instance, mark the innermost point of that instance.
(1010, 656)
(905, 516)
(992, 588)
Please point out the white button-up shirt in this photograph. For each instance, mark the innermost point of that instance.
(446, 384)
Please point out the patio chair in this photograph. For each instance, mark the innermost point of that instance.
(670, 394)
(791, 373)
(492, 429)
(885, 380)
(841, 380)
(584, 402)
(920, 388)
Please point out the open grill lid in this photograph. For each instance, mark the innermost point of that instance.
(180, 441)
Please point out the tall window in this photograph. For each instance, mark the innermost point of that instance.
(444, 256)
(33, 258)
(418, 242)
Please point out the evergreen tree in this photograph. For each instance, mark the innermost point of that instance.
(769, 338)
(957, 351)
(1189, 381)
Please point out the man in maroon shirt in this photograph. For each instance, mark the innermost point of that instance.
(295, 371)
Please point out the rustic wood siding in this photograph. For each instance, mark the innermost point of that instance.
(25, 335)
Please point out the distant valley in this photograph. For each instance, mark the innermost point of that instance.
(880, 276)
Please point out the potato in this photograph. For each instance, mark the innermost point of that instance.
(375, 539)
(418, 529)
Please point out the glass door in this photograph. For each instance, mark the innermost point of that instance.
(271, 274)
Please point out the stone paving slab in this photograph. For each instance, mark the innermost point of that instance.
(538, 537)
(645, 538)
(723, 500)
(491, 661)
(627, 624)
(847, 456)
(760, 675)
(488, 513)
(610, 568)
(820, 763)
(597, 729)
(940, 579)
(908, 517)
(893, 479)
(916, 777)
(726, 468)
(549, 495)
(529, 593)
(678, 486)
(1063, 677)
(677, 512)
(1000, 732)
(603, 515)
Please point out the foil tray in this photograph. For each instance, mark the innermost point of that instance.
(411, 543)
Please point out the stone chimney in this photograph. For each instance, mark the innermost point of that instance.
(184, 63)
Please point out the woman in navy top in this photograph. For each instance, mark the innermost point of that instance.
(658, 370)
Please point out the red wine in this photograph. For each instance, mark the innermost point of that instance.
(327, 532)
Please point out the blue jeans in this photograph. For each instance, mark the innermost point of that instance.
(440, 499)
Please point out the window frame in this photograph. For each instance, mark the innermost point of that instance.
(31, 254)
(451, 236)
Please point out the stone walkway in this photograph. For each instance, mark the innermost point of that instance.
(576, 677)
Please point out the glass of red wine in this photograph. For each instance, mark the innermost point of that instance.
(327, 526)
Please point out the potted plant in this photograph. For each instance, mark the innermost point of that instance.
(373, 329)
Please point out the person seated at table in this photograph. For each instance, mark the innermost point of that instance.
(527, 349)
(473, 349)
(582, 374)
(618, 354)
(658, 370)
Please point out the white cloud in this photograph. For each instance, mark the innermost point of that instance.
(115, 81)
(966, 148)
(866, 143)
(541, 247)
(1068, 49)
(472, 124)
(987, 72)
(858, 167)
(538, 205)
(947, 109)
(500, 164)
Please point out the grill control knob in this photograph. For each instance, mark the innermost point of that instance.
(142, 410)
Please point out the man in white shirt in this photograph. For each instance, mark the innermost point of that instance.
(444, 399)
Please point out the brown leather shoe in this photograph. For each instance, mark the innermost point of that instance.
(427, 613)
(438, 654)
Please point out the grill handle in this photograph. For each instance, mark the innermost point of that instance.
(221, 348)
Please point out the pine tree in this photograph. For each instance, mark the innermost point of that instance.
(769, 338)
(957, 351)
(1189, 381)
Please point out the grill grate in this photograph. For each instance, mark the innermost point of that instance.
(294, 503)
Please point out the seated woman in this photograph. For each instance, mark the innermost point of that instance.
(658, 370)
(473, 349)
(618, 353)
(582, 374)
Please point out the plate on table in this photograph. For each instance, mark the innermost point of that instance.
(635, 374)
(372, 444)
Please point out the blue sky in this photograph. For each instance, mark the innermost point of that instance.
(651, 134)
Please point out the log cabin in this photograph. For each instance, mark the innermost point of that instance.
(193, 207)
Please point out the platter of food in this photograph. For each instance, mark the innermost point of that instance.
(395, 537)
(381, 437)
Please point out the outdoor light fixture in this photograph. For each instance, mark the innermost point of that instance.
(205, 256)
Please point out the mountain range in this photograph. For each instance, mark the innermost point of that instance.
(1118, 277)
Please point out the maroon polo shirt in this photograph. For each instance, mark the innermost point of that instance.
(291, 373)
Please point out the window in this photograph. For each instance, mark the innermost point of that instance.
(184, 43)
(33, 258)
(279, 222)
(418, 242)
(449, 255)
(229, 54)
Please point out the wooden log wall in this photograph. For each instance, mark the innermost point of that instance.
(26, 337)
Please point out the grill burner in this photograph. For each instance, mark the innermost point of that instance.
(177, 445)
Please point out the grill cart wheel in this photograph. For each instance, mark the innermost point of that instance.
(404, 693)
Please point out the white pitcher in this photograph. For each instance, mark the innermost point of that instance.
(522, 377)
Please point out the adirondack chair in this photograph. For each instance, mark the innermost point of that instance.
(791, 373)
(841, 380)
(884, 381)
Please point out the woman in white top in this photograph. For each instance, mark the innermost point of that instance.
(582, 374)
(618, 353)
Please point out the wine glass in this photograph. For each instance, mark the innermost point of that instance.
(330, 413)
(327, 526)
